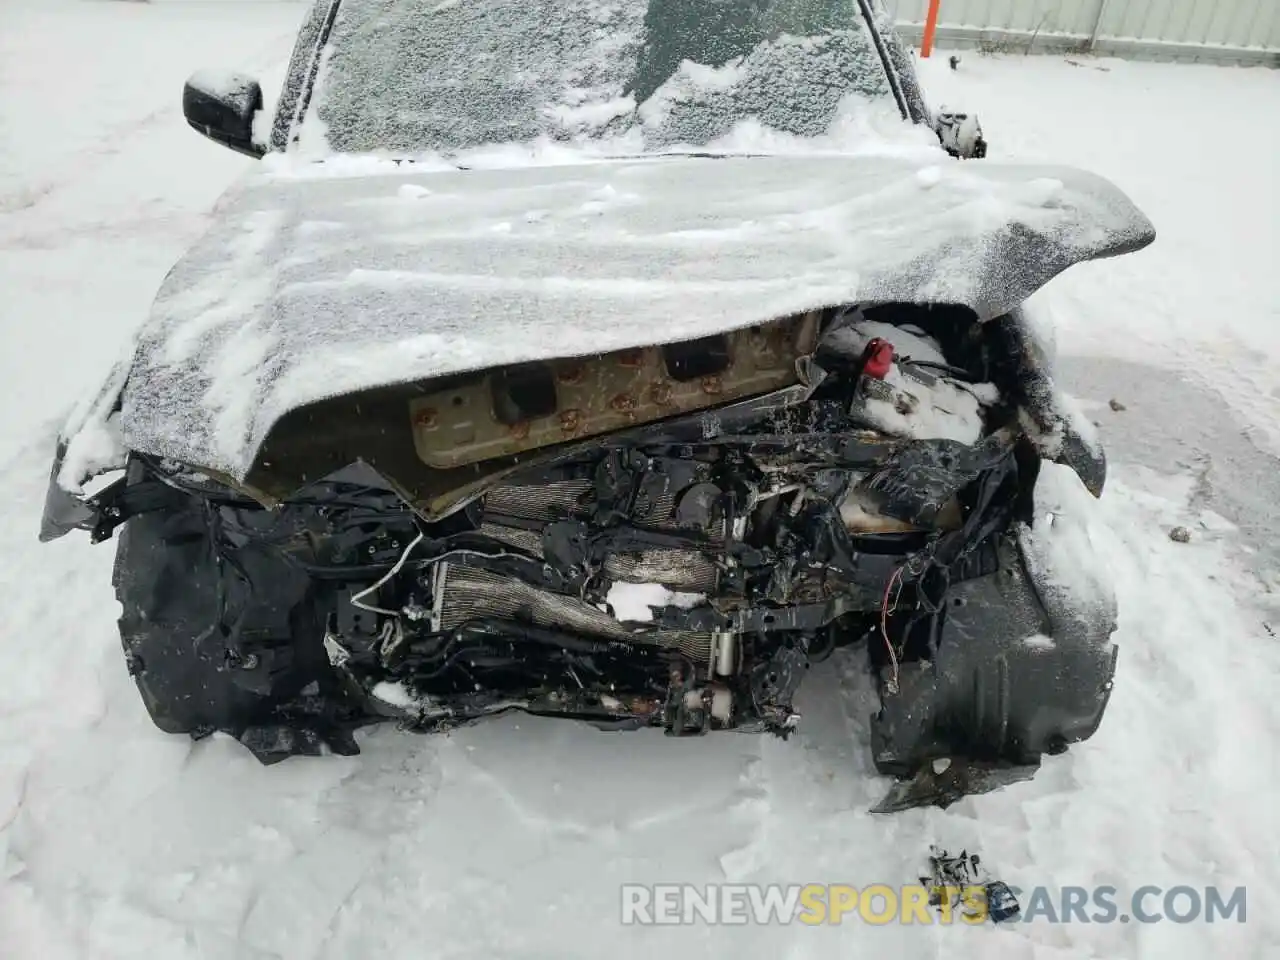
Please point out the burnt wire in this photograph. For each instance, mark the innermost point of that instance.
(885, 611)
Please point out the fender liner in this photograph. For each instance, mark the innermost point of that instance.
(1013, 677)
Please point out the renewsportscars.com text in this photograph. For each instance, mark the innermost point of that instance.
(882, 904)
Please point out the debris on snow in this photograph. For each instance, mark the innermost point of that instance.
(953, 882)
(1180, 535)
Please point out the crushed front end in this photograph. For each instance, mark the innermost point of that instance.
(666, 537)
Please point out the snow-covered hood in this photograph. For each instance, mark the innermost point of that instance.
(311, 287)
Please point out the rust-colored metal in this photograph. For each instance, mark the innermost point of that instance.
(860, 515)
(457, 427)
(570, 421)
(571, 373)
(660, 393)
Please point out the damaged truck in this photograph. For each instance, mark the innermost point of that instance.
(614, 362)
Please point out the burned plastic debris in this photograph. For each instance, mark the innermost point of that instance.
(943, 782)
(962, 882)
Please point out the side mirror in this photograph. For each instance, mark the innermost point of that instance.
(960, 134)
(221, 106)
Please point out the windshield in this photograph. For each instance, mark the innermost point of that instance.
(408, 76)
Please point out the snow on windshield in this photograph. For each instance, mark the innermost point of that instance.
(401, 76)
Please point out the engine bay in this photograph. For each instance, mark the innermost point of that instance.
(686, 584)
(682, 573)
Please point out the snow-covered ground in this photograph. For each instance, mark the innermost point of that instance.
(511, 838)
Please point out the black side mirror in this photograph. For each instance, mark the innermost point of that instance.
(222, 107)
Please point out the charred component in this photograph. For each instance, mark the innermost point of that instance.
(662, 538)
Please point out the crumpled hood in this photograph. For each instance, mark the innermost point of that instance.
(307, 288)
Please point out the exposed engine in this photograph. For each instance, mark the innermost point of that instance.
(681, 574)
(767, 548)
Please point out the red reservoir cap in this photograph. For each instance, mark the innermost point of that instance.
(877, 358)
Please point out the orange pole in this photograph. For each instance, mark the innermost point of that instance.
(930, 27)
